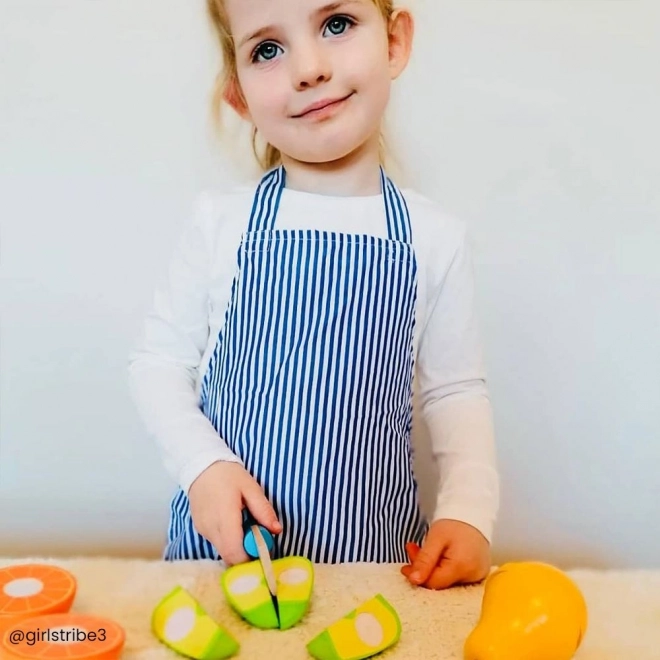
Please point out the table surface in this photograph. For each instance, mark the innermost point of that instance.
(624, 608)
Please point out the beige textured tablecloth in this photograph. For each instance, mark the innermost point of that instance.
(624, 608)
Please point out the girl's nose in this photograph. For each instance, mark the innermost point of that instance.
(310, 66)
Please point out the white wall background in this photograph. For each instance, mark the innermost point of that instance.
(536, 121)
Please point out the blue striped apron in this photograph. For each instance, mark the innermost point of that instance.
(310, 384)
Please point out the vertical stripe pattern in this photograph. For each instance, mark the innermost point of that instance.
(310, 384)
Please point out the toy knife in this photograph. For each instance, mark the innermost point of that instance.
(258, 543)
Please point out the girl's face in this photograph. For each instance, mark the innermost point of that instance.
(315, 76)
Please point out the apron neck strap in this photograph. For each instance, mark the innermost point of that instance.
(266, 203)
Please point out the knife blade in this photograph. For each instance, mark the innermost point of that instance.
(267, 567)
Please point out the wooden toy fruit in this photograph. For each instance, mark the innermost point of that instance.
(367, 630)
(246, 590)
(181, 623)
(28, 590)
(63, 636)
(530, 611)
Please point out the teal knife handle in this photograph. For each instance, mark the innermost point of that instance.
(249, 542)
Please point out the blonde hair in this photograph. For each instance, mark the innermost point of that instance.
(227, 78)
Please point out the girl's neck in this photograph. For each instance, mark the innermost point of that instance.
(357, 174)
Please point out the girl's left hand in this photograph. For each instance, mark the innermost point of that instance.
(452, 553)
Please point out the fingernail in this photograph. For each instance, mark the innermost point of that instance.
(415, 577)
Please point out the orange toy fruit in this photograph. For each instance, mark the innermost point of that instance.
(28, 590)
(530, 611)
(67, 635)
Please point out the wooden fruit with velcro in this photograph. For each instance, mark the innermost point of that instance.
(364, 632)
(247, 591)
(29, 590)
(267, 593)
(181, 623)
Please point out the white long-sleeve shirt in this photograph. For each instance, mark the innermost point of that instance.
(180, 332)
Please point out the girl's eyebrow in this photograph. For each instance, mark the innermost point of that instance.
(333, 6)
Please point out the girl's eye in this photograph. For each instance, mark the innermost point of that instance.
(267, 50)
(339, 24)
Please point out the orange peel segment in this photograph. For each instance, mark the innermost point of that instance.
(67, 635)
(28, 590)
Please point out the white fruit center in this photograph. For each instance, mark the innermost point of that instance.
(244, 584)
(369, 629)
(23, 587)
(293, 576)
(179, 624)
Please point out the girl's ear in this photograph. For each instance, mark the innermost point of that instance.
(234, 98)
(400, 37)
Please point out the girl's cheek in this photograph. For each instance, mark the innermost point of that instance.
(264, 77)
(269, 104)
(358, 65)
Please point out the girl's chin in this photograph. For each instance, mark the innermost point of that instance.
(332, 150)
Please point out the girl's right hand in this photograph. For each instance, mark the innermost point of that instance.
(217, 498)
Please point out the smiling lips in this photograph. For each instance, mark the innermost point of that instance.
(321, 105)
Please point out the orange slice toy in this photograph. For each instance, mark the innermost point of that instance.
(68, 635)
(28, 590)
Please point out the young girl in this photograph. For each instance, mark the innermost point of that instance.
(276, 369)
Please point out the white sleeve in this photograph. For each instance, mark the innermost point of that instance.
(455, 401)
(163, 367)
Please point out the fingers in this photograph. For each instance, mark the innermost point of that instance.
(261, 508)
(228, 534)
(413, 550)
(448, 572)
(216, 509)
(427, 557)
(446, 575)
(216, 504)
